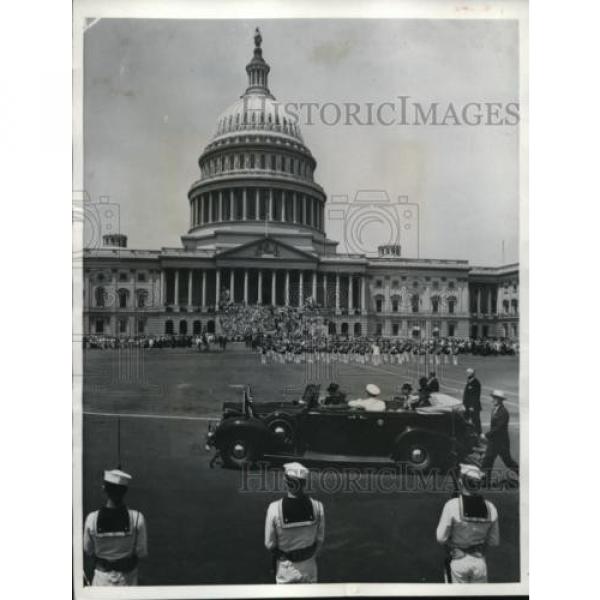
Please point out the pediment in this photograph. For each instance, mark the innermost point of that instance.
(267, 248)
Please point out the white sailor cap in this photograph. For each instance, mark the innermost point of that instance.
(498, 394)
(117, 477)
(373, 390)
(470, 371)
(295, 470)
(471, 471)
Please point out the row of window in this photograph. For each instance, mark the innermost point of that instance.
(123, 298)
(257, 204)
(435, 284)
(254, 160)
(123, 276)
(415, 303)
(258, 119)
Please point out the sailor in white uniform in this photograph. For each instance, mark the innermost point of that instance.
(371, 403)
(468, 526)
(115, 536)
(295, 530)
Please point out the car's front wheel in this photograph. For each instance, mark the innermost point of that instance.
(239, 451)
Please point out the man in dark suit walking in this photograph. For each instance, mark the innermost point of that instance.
(472, 400)
(497, 436)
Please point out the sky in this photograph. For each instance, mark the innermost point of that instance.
(153, 90)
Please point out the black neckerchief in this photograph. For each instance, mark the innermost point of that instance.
(115, 519)
(297, 510)
(474, 507)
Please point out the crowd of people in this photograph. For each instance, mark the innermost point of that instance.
(294, 331)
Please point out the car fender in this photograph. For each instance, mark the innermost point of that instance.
(251, 426)
(418, 432)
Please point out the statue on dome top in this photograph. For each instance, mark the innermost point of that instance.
(257, 38)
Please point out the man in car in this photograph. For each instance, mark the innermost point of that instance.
(433, 384)
(468, 526)
(472, 400)
(295, 530)
(334, 396)
(371, 403)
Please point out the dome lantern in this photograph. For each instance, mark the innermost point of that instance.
(258, 70)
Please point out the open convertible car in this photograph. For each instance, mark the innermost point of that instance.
(315, 432)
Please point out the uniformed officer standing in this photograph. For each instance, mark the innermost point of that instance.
(472, 400)
(498, 442)
(295, 530)
(115, 536)
(468, 526)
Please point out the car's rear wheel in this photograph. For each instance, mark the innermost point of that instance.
(416, 454)
(239, 451)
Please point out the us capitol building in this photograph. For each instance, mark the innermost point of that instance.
(257, 236)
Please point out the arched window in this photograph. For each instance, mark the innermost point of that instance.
(435, 304)
(169, 327)
(505, 308)
(357, 329)
(395, 303)
(197, 327)
(183, 328)
(331, 328)
(123, 295)
(344, 328)
(210, 326)
(414, 302)
(100, 294)
(378, 304)
(515, 306)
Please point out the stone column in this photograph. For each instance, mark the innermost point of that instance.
(337, 292)
(217, 288)
(300, 287)
(211, 217)
(162, 292)
(271, 212)
(283, 206)
(257, 205)
(287, 288)
(465, 298)
(324, 289)
(294, 207)
(244, 204)
(274, 287)
(499, 299)
(260, 282)
(203, 289)
(363, 295)
(231, 206)
(350, 294)
(314, 286)
(232, 285)
(176, 295)
(246, 286)
(490, 300)
(304, 214)
(478, 300)
(190, 282)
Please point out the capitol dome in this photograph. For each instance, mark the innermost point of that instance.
(256, 168)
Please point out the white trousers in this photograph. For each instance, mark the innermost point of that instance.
(115, 578)
(469, 569)
(296, 572)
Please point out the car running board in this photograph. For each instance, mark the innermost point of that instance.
(321, 457)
